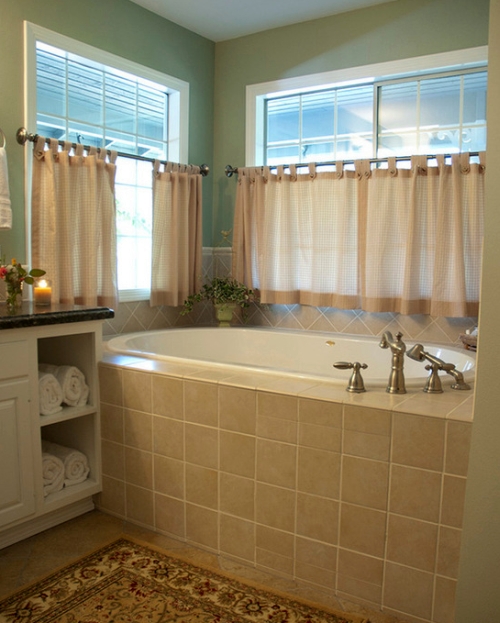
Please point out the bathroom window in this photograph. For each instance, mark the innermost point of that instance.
(428, 105)
(81, 94)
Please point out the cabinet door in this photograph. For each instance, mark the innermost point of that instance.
(17, 499)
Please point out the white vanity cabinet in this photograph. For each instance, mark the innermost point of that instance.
(24, 509)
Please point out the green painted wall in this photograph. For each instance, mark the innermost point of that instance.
(395, 30)
(122, 28)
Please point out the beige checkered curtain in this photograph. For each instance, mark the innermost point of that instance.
(73, 223)
(177, 233)
(387, 239)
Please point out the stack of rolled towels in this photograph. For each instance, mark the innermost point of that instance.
(62, 467)
(61, 385)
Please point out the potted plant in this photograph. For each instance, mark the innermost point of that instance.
(226, 294)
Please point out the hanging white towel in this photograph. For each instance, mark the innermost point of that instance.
(50, 394)
(52, 473)
(76, 466)
(72, 380)
(5, 206)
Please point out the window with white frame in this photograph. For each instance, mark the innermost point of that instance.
(428, 105)
(81, 94)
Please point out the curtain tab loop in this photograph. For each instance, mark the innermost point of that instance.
(392, 166)
(419, 165)
(363, 169)
(280, 172)
(156, 168)
(112, 156)
(339, 169)
(39, 147)
(465, 162)
(312, 170)
(293, 172)
(54, 148)
(482, 161)
(441, 161)
(266, 172)
(79, 149)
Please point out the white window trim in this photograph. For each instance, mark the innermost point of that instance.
(256, 94)
(178, 106)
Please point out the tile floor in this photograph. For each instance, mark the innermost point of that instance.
(32, 559)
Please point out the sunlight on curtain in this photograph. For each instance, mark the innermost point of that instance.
(177, 233)
(73, 223)
(387, 239)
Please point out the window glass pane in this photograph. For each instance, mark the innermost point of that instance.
(317, 152)
(151, 107)
(121, 104)
(85, 92)
(51, 83)
(283, 155)
(440, 102)
(475, 98)
(318, 111)
(398, 107)
(283, 116)
(355, 111)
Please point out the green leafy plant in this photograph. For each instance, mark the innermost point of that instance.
(221, 290)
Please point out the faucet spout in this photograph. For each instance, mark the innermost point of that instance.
(396, 383)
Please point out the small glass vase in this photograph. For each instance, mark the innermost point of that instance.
(14, 297)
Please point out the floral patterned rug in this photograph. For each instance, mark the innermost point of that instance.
(127, 582)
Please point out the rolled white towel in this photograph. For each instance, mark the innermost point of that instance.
(52, 473)
(75, 463)
(74, 388)
(50, 393)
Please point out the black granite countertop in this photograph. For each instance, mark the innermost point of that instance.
(31, 315)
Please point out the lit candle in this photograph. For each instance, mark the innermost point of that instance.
(43, 292)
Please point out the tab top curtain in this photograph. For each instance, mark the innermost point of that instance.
(73, 223)
(177, 233)
(392, 239)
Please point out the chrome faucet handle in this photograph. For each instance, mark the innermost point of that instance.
(433, 385)
(356, 383)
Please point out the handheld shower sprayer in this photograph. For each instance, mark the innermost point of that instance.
(433, 384)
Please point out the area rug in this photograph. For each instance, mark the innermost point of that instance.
(129, 582)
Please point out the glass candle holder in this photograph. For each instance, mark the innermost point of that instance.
(42, 292)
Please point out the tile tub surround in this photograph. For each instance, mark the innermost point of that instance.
(353, 497)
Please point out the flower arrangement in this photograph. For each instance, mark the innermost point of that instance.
(14, 276)
(221, 291)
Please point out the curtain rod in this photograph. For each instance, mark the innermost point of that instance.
(22, 136)
(230, 171)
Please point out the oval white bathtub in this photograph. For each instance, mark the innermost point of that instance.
(303, 354)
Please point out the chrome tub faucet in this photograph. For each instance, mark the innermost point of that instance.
(433, 385)
(396, 383)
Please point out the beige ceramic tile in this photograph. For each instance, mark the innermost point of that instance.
(275, 507)
(367, 420)
(138, 431)
(320, 437)
(457, 447)
(112, 423)
(274, 562)
(237, 496)
(168, 437)
(362, 530)
(319, 472)
(276, 541)
(139, 505)
(357, 589)
(168, 397)
(139, 468)
(367, 445)
(168, 476)
(112, 496)
(365, 482)
(276, 463)
(111, 384)
(238, 409)
(411, 542)
(201, 403)
(315, 554)
(237, 538)
(315, 575)
(418, 441)
(201, 526)
(444, 602)
(277, 429)
(202, 486)
(202, 446)
(449, 552)
(418, 600)
(170, 515)
(237, 454)
(415, 493)
(453, 501)
(277, 406)
(113, 460)
(317, 518)
(137, 390)
(361, 567)
(320, 412)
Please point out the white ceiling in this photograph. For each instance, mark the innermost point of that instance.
(219, 20)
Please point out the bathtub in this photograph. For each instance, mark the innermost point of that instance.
(302, 354)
